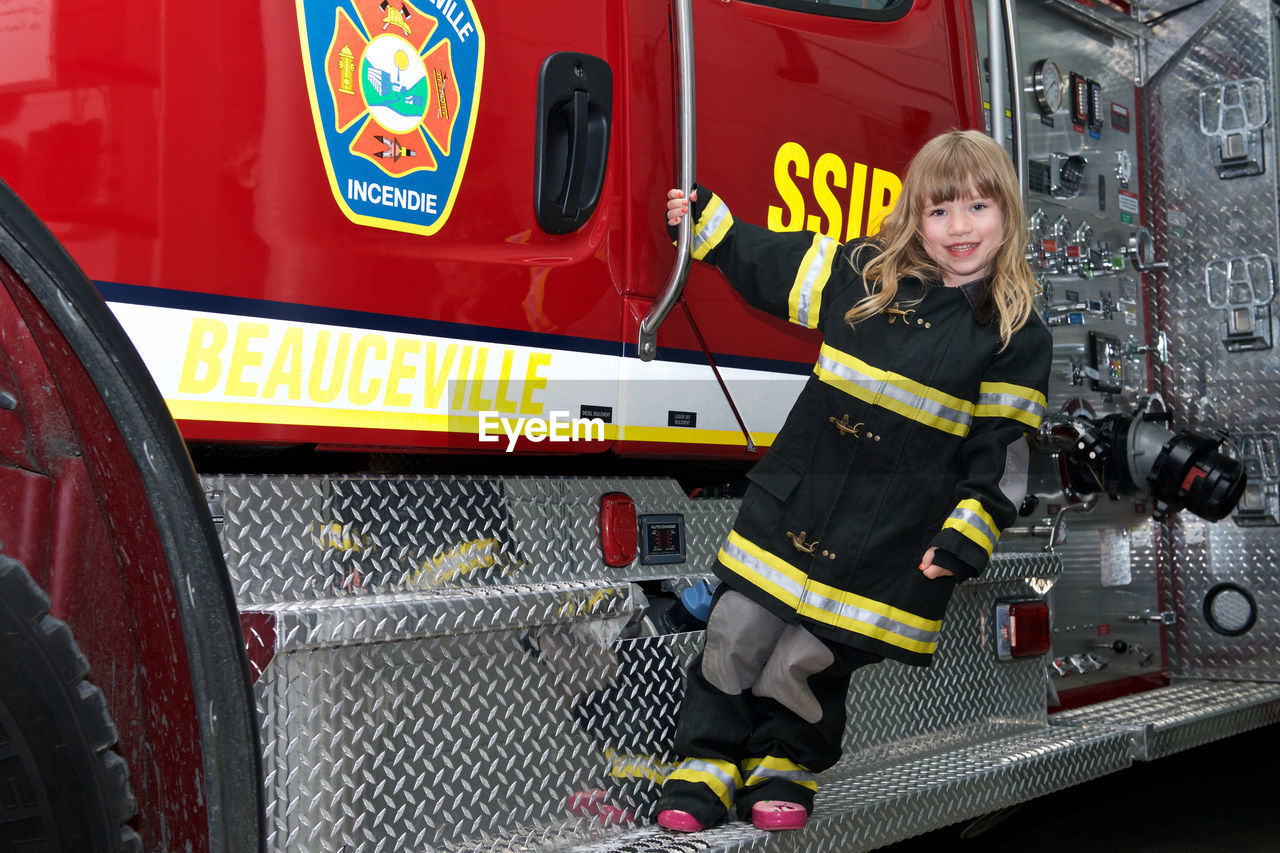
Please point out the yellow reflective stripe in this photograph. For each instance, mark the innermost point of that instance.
(711, 227)
(637, 767)
(758, 770)
(782, 580)
(827, 604)
(722, 777)
(895, 392)
(973, 521)
(804, 304)
(904, 618)
(1015, 402)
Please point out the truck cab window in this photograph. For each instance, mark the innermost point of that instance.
(872, 10)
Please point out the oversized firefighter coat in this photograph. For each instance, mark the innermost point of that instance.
(909, 433)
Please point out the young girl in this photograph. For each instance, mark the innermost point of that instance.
(899, 464)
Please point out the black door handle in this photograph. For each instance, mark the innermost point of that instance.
(571, 146)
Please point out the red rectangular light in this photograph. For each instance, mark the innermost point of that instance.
(1022, 629)
(617, 529)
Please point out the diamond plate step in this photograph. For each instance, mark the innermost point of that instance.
(390, 617)
(1181, 716)
(861, 808)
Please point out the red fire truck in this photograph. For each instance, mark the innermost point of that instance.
(360, 427)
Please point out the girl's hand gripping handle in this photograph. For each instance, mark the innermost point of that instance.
(678, 206)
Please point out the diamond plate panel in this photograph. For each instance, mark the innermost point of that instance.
(414, 616)
(400, 746)
(466, 710)
(1198, 218)
(1181, 716)
(862, 808)
(304, 538)
(896, 709)
(440, 721)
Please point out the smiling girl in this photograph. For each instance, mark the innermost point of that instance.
(900, 462)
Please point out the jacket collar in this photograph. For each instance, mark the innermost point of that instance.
(977, 293)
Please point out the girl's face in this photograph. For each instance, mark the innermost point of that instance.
(963, 236)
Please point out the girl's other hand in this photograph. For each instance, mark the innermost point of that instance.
(931, 571)
(677, 206)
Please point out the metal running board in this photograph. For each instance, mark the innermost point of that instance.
(1183, 715)
(862, 808)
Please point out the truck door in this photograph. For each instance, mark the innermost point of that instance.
(807, 114)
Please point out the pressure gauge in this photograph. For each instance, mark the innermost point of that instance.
(1046, 82)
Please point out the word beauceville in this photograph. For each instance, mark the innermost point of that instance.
(272, 362)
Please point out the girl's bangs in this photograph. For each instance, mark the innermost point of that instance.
(956, 171)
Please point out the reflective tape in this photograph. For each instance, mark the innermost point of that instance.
(906, 397)
(1005, 400)
(971, 519)
(760, 770)
(827, 604)
(711, 227)
(804, 305)
(722, 777)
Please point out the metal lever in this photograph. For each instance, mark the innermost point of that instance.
(1160, 349)
(1164, 617)
(687, 143)
(1056, 536)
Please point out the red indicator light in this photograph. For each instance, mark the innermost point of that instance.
(617, 529)
(1022, 629)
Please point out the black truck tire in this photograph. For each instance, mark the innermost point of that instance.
(62, 786)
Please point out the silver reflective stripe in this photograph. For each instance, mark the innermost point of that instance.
(976, 521)
(766, 572)
(759, 774)
(848, 611)
(702, 238)
(802, 595)
(884, 388)
(697, 765)
(1013, 401)
(811, 275)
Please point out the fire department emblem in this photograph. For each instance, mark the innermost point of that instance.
(394, 89)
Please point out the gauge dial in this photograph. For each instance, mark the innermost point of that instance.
(1046, 82)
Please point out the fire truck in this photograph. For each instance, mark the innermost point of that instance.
(363, 434)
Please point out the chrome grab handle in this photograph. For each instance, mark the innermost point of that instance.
(1002, 62)
(1015, 108)
(995, 67)
(686, 143)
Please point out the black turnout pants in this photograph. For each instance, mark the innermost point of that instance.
(763, 712)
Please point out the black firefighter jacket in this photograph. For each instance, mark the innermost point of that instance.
(909, 433)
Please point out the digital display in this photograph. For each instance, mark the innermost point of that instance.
(1079, 99)
(1095, 107)
(661, 539)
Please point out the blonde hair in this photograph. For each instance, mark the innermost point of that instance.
(948, 167)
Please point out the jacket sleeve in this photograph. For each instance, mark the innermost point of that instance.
(1010, 405)
(792, 275)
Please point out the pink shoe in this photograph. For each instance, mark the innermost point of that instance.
(778, 814)
(679, 821)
